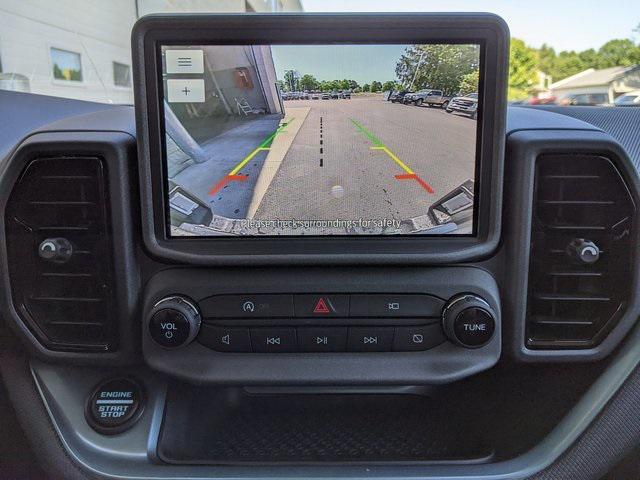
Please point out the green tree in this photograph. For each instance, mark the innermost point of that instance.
(344, 84)
(437, 66)
(376, 86)
(469, 83)
(567, 64)
(589, 58)
(614, 53)
(366, 87)
(523, 69)
(618, 53)
(291, 80)
(329, 85)
(547, 59)
(308, 82)
(389, 86)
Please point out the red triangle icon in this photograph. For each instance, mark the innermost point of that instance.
(321, 306)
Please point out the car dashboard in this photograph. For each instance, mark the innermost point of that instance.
(519, 361)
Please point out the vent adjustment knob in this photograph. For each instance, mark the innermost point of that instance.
(174, 322)
(583, 251)
(55, 250)
(469, 321)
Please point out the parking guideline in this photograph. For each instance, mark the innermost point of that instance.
(378, 145)
(233, 174)
(261, 148)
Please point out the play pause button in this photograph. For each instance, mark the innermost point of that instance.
(322, 339)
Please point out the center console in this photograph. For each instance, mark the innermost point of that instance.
(335, 187)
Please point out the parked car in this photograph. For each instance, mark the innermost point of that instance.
(584, 99)
(326, 96)
(315, 96)
(467, 105)
(345, 94)
(429, 97)
(304, 96)
(335, 94)
(398, 96)
(631, 99)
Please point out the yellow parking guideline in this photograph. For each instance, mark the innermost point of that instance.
(246, 160)
(262, 148)
(395, 159)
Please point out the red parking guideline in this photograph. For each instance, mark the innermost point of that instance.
(226, 179)
(413, 176)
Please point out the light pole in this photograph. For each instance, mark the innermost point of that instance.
(415, 74)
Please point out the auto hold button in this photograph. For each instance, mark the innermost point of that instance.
(114, 406)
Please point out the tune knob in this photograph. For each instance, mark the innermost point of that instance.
(469, 321)
(174, 321)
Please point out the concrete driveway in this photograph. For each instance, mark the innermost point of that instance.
(371, 159)
(208, 181)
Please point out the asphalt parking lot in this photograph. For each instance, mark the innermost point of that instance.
(369, 158)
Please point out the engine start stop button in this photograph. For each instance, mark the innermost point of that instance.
(115, 405)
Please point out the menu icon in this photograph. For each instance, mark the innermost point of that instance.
(184, 61)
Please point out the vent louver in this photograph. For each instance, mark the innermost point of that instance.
(578, 200)
(67, 305)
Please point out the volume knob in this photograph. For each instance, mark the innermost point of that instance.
(174, 321)
(469, 321)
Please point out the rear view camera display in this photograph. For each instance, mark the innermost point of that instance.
(320, 139)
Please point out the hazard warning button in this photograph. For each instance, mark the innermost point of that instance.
(321, 305)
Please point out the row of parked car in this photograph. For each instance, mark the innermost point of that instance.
(467, 104)
(592, 99)
(317, 95)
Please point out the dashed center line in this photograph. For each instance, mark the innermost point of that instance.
(321, 142)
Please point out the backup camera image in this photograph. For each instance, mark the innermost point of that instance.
(320, 139)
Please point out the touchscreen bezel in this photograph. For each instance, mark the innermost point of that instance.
(489, 31)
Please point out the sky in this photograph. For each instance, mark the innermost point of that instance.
(563, 24)
(362, 63)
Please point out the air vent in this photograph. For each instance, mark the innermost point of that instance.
(67, 303)
(581, 206)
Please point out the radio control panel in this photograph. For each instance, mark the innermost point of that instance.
(321, 322)
(206, 325)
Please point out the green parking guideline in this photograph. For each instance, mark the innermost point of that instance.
(375, 140)
(267, 141)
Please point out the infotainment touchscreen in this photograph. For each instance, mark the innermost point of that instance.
(340, 139)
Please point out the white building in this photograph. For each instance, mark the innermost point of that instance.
(81, 48)
(608, 83)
